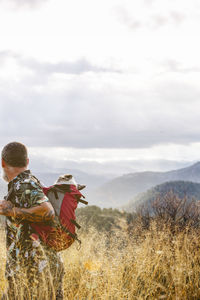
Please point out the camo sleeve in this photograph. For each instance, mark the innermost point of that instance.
(28, 193)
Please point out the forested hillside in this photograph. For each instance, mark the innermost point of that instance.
(181, 189)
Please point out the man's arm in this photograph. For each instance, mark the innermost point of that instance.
(40, 213)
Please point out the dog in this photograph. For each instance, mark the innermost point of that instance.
(69, 179)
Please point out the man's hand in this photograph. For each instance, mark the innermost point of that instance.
(6, 208)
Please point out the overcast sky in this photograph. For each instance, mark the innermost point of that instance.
(102, 81)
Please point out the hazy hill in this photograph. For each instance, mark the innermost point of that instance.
(180, 188)
(120, 190)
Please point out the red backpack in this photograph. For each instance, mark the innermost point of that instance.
(60, 233)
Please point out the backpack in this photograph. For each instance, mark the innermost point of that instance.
(60, 233)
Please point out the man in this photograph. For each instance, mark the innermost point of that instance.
(33, 271)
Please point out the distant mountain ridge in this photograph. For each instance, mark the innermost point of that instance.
(120, 190)
(190, 190)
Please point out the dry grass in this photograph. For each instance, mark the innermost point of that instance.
(160, 265)
(2, 258)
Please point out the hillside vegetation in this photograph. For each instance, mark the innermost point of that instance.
(181, 189)
(105, 220)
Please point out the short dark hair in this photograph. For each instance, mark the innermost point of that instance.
(15, 154)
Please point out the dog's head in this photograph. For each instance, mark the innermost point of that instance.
(69, 179)
(66, 179)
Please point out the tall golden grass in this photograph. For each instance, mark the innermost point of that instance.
(154, 264)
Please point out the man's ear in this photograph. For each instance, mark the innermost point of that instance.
(3, 164)
(27, 161)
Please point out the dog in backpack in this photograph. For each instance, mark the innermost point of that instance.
(69, 179)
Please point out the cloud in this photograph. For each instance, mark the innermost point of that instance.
(149, 2)
(175, 66)
(125, 18)
(154, 21)
(170, 18)
(6, 54)
(77, 67)
(178, 17)
(150, 15)
(83, 116)
(23, 3)
(93, 111)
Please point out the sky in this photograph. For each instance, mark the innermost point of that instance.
(101, 84)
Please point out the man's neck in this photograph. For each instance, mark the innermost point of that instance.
(13, 172)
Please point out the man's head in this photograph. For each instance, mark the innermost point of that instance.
(14, 159)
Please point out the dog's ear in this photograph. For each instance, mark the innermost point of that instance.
(67, 177)
(81, 187)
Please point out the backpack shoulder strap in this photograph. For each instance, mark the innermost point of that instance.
(10, 193)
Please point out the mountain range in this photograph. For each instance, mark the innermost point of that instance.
(118, 192)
